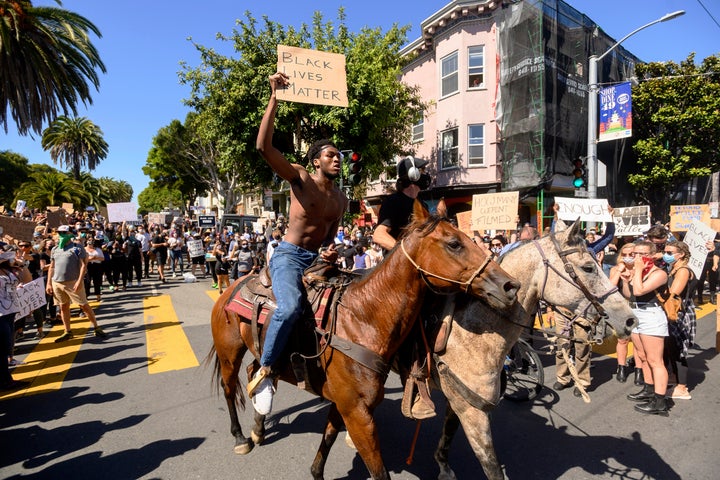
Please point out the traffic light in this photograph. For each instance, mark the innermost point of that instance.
(355, 168)
(580, 173)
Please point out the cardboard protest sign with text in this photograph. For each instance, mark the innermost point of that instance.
(464, 220)
(631, 221)
(682, 216)
(698, 234)
(315, 77)
(31, 296)
(17, 229)
(122, 212)
(586, 209)
(495, 211)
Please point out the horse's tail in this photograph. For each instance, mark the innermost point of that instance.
(216, 382)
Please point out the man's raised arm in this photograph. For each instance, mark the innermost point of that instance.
(272, 155)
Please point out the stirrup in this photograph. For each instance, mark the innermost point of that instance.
(259, 376)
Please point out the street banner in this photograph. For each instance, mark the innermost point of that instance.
(682, 216)
(464, 220)
(195, 248)
(31, 296)
(495, 211)
(17, 229)
(587, 209)
(56, 218)
(698, 234)
(206, 221)
(121, 212)
(315, 77)
(615, 107)
(631, 221)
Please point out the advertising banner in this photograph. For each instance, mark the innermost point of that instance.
(615, 105)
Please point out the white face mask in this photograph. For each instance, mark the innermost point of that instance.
(629, 260)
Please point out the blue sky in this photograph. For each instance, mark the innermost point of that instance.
(144, 42)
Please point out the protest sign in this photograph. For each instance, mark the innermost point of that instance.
(682, 216)
(68, 207)
(206, 221)
(20, 206)
(464, 220)
(698, 234)
(159, 218)
(195, 248)
(31, 296)
(315, 77)
(631, 221)
(17, 229)
(56, 218)
(587, 209)
(122, 212)
(495, 211)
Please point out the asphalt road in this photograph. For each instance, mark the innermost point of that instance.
(111, 419)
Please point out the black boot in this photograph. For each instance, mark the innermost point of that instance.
(657, 406)
(621, 374)
(639, 378)
(643, 395)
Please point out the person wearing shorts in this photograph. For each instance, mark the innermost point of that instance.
(68, 265)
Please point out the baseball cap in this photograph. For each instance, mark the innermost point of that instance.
(63, 228)
(406, 164)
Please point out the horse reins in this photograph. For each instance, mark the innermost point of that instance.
(424, 273)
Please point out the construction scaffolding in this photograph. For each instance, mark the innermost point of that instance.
(541, 105)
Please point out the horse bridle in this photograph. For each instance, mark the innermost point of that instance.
(571, 276)
(424, 273)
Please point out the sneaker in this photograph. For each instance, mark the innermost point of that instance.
(139, 283)
(98, 332)
(557, 386)
(111, 289)
(63, 337)
(39, 335)
(263, 396)
(173, 276)
(681, 394)
(214, 285)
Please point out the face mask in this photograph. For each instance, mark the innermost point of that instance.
(424, 182)
(669, 259)
(628, 260)
(65, 238)
(495, 250)
(648, 264)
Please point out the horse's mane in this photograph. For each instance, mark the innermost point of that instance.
(423, 226)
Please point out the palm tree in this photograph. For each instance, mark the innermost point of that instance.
(51, 188)
(46, 61)
(76, 142)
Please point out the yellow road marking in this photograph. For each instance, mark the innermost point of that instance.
(168, 347)
(48, 363)
(213, 294)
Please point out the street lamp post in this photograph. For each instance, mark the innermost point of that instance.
(593, 61)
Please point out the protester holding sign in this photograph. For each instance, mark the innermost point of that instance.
(12, 275)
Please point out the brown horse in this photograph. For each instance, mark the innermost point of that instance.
(556, 269)
(376, 312)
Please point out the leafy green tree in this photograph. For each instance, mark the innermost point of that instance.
(676, 118)
(155, 198)
(46, 62)
(117, 191)
(177, 162)
(229, 95)
(75, 143)
(14, 170)
(45, 189)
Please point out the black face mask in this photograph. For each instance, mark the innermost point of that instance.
(424, 181)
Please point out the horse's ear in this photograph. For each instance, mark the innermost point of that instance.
(420, 213)
(442, 209)
(574, 231)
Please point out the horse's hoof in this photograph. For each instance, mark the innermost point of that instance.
(243, 448)
(257, 439)
(349, 442)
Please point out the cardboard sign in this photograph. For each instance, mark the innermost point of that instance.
(587, 209)
(315, 77)
(495, 211)
(698, 234)
(56, 218)
(195, 248)
(68, 207)
(31, 296)
(464, 220)
(20, 206)
(17, 229)
(122, 212)
(206, 221)
(631, 221)
(682, 216)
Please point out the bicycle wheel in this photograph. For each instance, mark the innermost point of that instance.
(524, 373)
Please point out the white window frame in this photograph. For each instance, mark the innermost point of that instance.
(448, 76)
(444, 165)
(476, 143)
(418, 129)
(474, 71)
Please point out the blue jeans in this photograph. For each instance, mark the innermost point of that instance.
(287, 265)
(177, 257)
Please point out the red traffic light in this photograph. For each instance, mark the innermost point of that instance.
(355, 157)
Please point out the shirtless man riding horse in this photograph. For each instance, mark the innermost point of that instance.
(316, 209)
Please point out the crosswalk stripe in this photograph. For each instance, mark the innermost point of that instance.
(168, 348)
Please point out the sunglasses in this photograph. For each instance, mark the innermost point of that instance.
(24, 245)
(496, 244)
